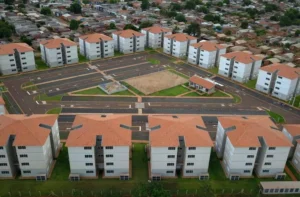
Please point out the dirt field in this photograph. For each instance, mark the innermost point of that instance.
(156, 81)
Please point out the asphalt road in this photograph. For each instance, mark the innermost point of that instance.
(187, 100)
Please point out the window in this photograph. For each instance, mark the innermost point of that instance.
(58, 48)
(279, 77)
(4, 172)
(22, 53)
(25, 164)
(59, 58)
(170, 164)
(21, 147)
(2, 156)
(171, 156)
(23, 155)
(192, 148)
(11, 60)
(250, 156)
(277, 88)
(270, 156)
(13, 70)
(171, 148)
(191, 156)
(268, 73)
(26, 171)
(68, 47)
(106, 46)
(248, 164)
(59, 62)
(266, 84)
(190, 164)
(69, 56)
(25, 68)
(297, 190)
(276, 93)
(109, 156)
(89, 164)
(58, 53)
(267, 163)
(109, 163)
(3, 164)
(247, 171)
(272, 148)
(278, 82)
(1, 147)
(108, 147)
(170, 172)
(97, 42)
(189, 171)
(268, 79)
(87, 148)
(10, 55)
(88, 156)
(89, 171)
(69, 60)
(109, 171)
(24, 63)
(68, 51)
(227, 69)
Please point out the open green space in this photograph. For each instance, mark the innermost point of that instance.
(217, 93)
(45, 97)
(132, 88)
(153, 61)
(236, 98)
(40, 64)
(277, 117)
(251, 83)
(174, 91)
(139, 163)
(214, 70)
(295, 101)
(98, 91)
(54, 111)
(192, 94)
(3, 88)
(117, 53)
(82, 58)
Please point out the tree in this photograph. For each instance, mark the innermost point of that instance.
(271, 7)
(74, 24)
(297, 33)
(10, 8)
(180, 18)
(145, 4)
(124, 7)
(212, 18)
(252, 12)
(175, 7)
(244, 25)
(220, 4)
(21, 5)
(153, 189)
(175, 30)
(112, 26)
(193, 29)
(285, 21)
(46, 11)
(203, 9)
(75, 8)
(246, 2)
(190, 5)
(130, 26)
(26, 40)
(9, 2)
(85, 1)
(274, 17)
(228, 32)
(227, 2)
(146, 24)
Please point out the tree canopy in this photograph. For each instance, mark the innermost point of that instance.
(146, 24)
(9, 2)
(290, 17)
(9, 7)
(112, 26)
(271, 7)
(74, 24)
(180, 18)
(6, 30)
(130, 26)
(46, 11)
(193, 29)
(145, 4)
(75, 8)
(26, 40)
(244, 25)
(203, 9)
(212, 18)
(175, 7)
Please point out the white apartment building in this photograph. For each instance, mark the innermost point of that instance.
(178, 143)
(155, 36)
(206, 54)
(59, 51)
(282, 81)
(95, 46)
(16, 57)
(2, 106)
(128, 41)
(28, 145)
(178, 44)
(292, 132)
(100, 143)
(239, 66)
(248, 144)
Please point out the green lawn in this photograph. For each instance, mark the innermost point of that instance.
(174, 91)
(54, 111)
(214, 70)
(132, 88)
(139, 163)
(251, 84)
(295, 101)
(218, 93)
(123, 93)
(277, 117)
(98, 91)
(236, 98)
(178, 73)
(40, 64)
(153, 61)
(61, 170)
(117, 53)
(192, 94)
(44, 97)
(82, 58)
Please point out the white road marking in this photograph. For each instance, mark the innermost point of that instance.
(149, 104)
(260, 109)
(57, 89)
(102, 79)
(130, 106)
(44, 102)
(222, 105)
(72, 106)
(37, 102)
(28, 93)
(140, 128)
(39, 78)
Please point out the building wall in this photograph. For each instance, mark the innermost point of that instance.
(296, 158)
(53, 57)
(179, 48)
(224, 67)
(284, 88)
(27, 61)
(159, 160)
(81, 46)
(2, 109)
(71, 55)
(241, 72)
(193, 54)
(93, 50)
(220, 141)
(263, 83)
(56, 137)
(155, 40)
(127, 44)
(7, 171)
(292, 140)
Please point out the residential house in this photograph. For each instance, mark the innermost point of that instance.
(59, 51)
(178, 143)
(100, 143)
(251, 144)
(206, 54)
(155, 36)
(28, 145)
(280, 80)
(16, 57)
(239, 66)
(128, 41)
(201, 84)
(178, 44)
(94, 46)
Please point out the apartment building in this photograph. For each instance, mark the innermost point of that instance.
(16, 57)
(28, 145)
(178, 144)
(128, 41)
(292, 132)
(2, 106)
(206, 54)
(251, 144)
(280, 80)
(100, 143)
(155, 36)
(95, 46)
(59, 51)
(178, 44)
(239, 66)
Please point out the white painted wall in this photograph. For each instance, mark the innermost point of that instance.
(159, 160)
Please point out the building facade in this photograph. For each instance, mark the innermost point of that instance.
(251, 144)
(282, 81)
(178, 144)
(154, 36)
(128, 41)
(59, 51)
(28, 150)
(16, 57)
(178, 44)
(292, 132)
(205, 54)
(100, 144)
(95, 46)
(201, 84)
(239, 66)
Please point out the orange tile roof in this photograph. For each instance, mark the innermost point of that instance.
(283, 70)
(94, 125)
(93, 38)
(171, 128)
(157, 29)
(128, 33)
(25, 128)
(181, 37)
(2, 102)
(293, 129)
(242, 57)
(248, 130)
(202, 82)
(56, 43)
(6, 49)
(208, 46)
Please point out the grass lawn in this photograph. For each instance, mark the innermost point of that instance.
(178, 73)
(132, 88)
(40, 64)
(153, 61)
(214, 70)
(277, 117)
(125, 92)
(174, 91)
(251, 83)
(81, 58)
(295, 101)
(44, 97)
(294, 171)
(98, 91)
(192, 94)
(218, 93)
(3, 88)
(236, 98)
(54, 111)
(117, 53)
(139, 163)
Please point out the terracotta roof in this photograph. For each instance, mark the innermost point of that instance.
(249, 129)
(283, 70)
(128, 33)
(93, 38)
(157, 29)
(293, 129)
(25, 128)
(180, 37)
(208, 46)
(56, 43)
(94, 125)
(203, 82)
(173, 127)
(6, 49)
(2, 102)
(242, 57)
